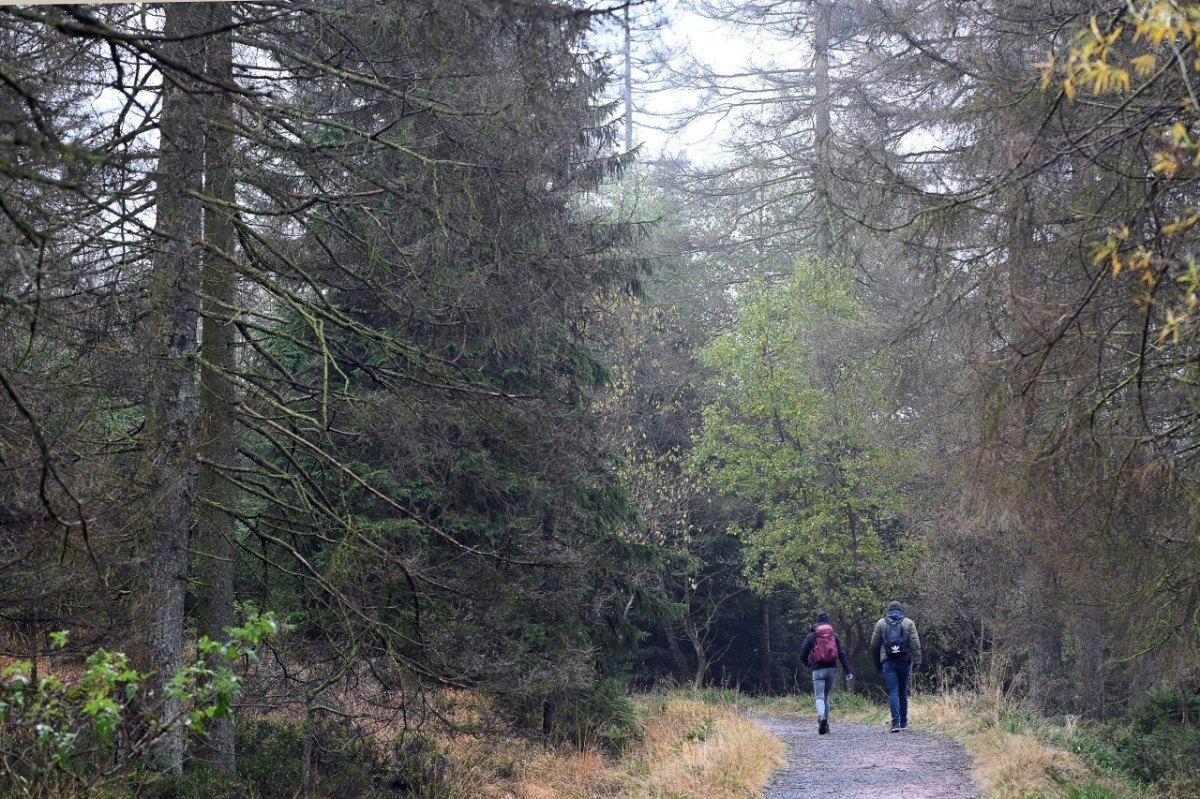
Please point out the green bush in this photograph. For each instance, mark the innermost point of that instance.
(271, 758)
(89, 736)
(199, 782)
(602, 716)
(1161, 743)
(1099, 753)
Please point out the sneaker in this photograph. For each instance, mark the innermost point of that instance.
(895, 728)
(822, 726)
(904, 725)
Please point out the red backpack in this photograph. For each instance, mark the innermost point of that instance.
(825, 650)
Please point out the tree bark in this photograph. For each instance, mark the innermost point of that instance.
(628, 84)
(821, 167)
(700, 674)
(170, 430)
(217, 444)
(764, 644)
(678, 661)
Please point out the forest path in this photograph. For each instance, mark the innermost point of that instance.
(856, 761)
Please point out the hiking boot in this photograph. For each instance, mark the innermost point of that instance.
(822, 726)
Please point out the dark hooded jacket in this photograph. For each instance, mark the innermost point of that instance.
(810, 641)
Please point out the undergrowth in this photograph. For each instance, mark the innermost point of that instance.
(688, 745)
(1019, 754)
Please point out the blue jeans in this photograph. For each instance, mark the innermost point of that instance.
(822, 682)
(895, 673)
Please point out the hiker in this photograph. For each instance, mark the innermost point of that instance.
(821, 652)
(897, 651)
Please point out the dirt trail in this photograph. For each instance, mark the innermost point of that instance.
(867, 762)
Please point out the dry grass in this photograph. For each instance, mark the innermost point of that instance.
(695, 749)
(1009, 747)
(689, 750)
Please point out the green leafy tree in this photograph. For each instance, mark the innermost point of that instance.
(797, 426)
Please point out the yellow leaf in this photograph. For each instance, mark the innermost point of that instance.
(1171, 328)
(1144, 65)
(1179, 225)
(1164, 164)
(1105, 250)
(1140, 259)
(1158, 32)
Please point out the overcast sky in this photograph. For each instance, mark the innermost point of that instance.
(686, 34)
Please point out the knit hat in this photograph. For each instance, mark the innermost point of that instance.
(822, 618)
(894, 605)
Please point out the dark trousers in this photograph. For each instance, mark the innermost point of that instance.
(895, 673)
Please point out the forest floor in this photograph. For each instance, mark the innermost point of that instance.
(860, 761)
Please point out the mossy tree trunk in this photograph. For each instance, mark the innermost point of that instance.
(217, 445)
(764, 645)
(169, 437)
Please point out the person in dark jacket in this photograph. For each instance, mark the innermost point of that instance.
(824, 669)
(897, 649)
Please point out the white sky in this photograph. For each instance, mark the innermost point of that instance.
(722, 46)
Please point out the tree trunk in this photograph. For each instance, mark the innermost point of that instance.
(678, 661)
(821, 167)
(170, 429)
(700, 674)
(628, 86)
(764, 644)
(217, 445)
(1048, 678)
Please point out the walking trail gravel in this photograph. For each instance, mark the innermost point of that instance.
(855, 761)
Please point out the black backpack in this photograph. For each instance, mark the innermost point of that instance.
(895, 641)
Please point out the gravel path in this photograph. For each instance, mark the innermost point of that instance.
(855, 761)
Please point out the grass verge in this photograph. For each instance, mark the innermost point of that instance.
(1021, 755)
(694, 746)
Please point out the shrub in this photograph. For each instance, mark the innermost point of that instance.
(1161, 744)
(79, 737)
(199, 782)
(270, 756)
(600, 716)
(271, 753)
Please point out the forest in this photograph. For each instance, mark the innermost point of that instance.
(376, 374)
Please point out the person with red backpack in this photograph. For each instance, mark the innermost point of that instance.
(821, 652)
